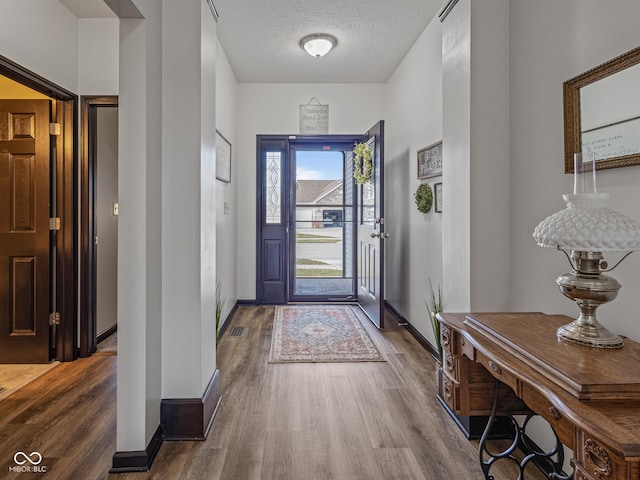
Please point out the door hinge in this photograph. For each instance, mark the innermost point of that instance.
(54, 318)
(54, 129)
(54, 223)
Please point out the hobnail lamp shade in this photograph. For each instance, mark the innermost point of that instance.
(586, 225)
(318, 44)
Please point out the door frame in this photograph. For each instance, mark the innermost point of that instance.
(341, 143)
(88, 253)
(285, 141)
(63, 111)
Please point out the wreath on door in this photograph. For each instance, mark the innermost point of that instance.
(362, 163)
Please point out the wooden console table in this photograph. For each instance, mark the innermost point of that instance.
(590, 397)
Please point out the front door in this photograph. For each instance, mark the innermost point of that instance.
(371, 235)
(322, 225)
(24, 231)
(305, 242)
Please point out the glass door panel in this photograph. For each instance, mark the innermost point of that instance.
(323, 226)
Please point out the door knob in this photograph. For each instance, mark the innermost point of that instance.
(379, 235)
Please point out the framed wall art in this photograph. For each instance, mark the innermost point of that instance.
(223, 158)
(430, 161)
(437, 194)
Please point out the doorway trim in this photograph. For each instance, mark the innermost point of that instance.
(88, 254)
(335, 144)
(64, 112)
(276, 237)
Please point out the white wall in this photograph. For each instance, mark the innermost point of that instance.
(98, 56)
(106, 221)
(552, 42)
(188, 199)
(208, 269)
(476, 156)
(456, 99)
(274, 109)
(27, 38)
(414, 120)
(226, 193)
(166, 243)
(139, 230)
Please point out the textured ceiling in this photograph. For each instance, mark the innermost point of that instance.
(261, 37)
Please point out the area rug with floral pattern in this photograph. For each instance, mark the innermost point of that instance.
(321, 333)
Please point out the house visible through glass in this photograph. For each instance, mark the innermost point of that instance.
(324, 229)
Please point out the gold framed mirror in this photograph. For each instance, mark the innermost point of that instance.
(602, 113)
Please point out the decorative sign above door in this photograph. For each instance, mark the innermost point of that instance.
(314, 118)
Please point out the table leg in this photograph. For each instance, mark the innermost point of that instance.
(549, 462)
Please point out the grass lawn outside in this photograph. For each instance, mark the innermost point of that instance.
(318, 240)
(309, 261)
(311, 238)
(311, 235)
(318, 272)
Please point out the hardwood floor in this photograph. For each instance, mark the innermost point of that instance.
(324, 421)
(68, 416)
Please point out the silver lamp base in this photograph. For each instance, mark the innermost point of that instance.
(589, 333)
(589, 289)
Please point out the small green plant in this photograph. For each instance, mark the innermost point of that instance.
(434, 306)
(220, 300)
(424, 198)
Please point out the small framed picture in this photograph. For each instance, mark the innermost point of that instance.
(430, 161)
(437, 189)
(223, 158)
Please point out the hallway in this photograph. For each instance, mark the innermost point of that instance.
(331, 421)
(323, 421)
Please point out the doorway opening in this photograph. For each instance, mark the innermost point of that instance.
(319, 236)
(38, 241)
(99, 221)
(323, 230)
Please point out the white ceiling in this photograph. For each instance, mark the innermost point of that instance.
(261, 37)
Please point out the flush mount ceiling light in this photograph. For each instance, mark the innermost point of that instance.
(318, 44)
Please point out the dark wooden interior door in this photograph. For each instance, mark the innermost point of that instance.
(24, 231)
(371, 234)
